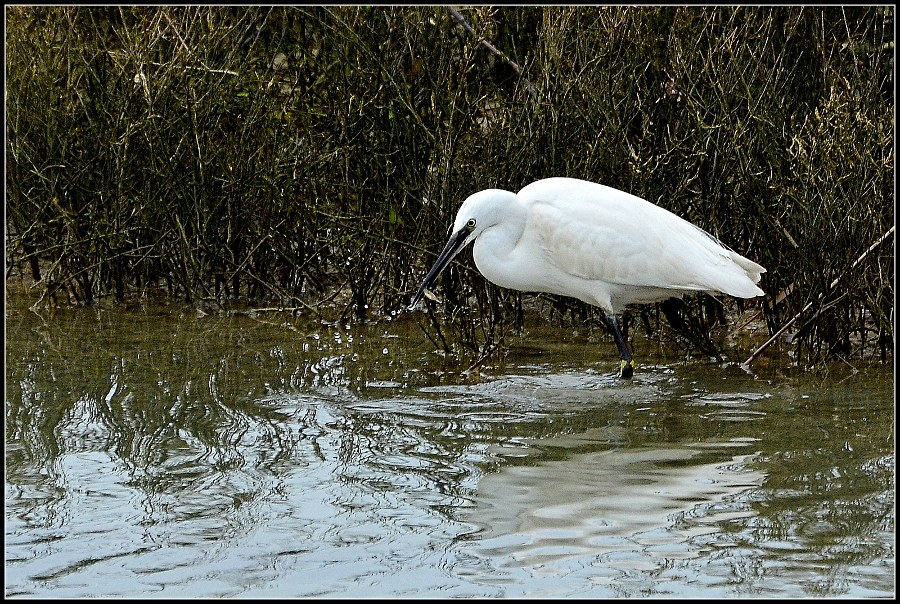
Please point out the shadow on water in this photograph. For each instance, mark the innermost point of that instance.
(154, 452)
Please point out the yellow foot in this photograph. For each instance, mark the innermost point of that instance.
(626, 369)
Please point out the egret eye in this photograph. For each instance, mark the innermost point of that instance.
(471, 224)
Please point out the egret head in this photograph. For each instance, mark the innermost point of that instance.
(478, 212)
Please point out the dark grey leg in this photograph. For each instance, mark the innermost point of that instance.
(626, 365)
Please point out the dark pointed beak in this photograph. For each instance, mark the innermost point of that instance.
(454, 246)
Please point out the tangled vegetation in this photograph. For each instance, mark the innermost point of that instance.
(313, 157)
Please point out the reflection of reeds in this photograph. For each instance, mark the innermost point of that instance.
(314, 157)
(152, 396)
(170, 398)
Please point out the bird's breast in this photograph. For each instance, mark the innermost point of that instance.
(524, 266)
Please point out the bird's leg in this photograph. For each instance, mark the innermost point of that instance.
(626, 364)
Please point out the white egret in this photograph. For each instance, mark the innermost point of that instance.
(600, 245)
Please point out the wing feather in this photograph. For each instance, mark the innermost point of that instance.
(598, 233)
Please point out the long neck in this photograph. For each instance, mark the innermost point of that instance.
(494, 248)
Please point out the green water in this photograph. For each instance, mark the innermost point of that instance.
(162, 453)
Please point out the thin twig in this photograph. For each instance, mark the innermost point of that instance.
(856, 262)
(462, 21)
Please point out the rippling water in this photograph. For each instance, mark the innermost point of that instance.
(151, 454)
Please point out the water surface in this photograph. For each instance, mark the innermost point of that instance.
(156, 452)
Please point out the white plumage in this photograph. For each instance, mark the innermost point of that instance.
(600, 245)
